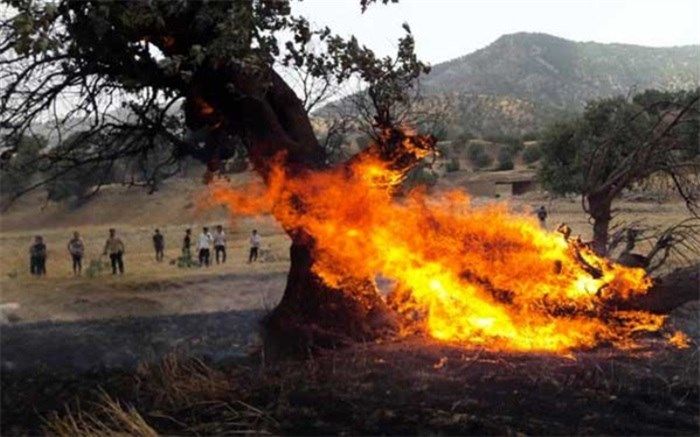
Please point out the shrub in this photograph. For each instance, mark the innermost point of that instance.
(505, 159)
(186, 261)
(531, 154)
(503, 139)
(452, 165)
(530, 136)
(459, 145)
(96, 267)
(478, 156)
(444, 150)
(18, 168)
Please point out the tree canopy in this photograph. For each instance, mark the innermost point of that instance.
(618, 142)
(201, 76)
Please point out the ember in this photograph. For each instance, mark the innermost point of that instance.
(476, 275)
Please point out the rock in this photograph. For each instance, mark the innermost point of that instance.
(7, 313)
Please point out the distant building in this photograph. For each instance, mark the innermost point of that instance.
(502, 184)
(516, 187)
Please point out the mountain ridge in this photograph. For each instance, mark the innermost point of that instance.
(562, 73)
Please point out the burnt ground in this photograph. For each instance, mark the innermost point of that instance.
(409, 386)
(91, 346)
(406, 387)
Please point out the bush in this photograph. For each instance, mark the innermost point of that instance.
(478, 156)
(452, 165)
(186, 261)
(530, 136)
(459, 145)
(444, 150)
(18, 168)
(96, 267)
(505, 159)
(78, 183)
(504, 139)
(531, 154)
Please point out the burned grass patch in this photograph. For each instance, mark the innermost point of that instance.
(412, 386)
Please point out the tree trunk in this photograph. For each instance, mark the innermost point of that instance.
(668, 292)
(310, 314)
(599, 208)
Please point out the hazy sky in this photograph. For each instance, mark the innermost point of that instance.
(446, 29)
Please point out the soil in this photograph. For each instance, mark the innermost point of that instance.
(406, 386)
(412, 386)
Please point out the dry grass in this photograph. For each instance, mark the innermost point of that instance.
(107, 418)
(413, 386)
(148, 287)
(175, 383)
(176, 396)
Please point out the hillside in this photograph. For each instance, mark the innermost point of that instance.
(523, 81)
(548, 70)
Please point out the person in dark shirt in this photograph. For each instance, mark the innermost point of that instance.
(158, 245)
(187, 244)
(76, 248)
(542, 216)
(37, 257)
(220, 244)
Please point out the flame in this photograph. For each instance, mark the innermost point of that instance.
(477, 275)
(679, 340)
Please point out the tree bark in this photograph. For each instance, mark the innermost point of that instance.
(668, 292)
(600, 207)
(272, 121)
(311, 314)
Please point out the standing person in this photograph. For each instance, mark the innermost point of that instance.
(158, 245)
(115, 248)
(187, 244)
(76, 248)
(37, 256)
(542, 216)
(254, 246)
(203, 245)
(220, 244)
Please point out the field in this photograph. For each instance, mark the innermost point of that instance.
(62, 297)
(94, 326)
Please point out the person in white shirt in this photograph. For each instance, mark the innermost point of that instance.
(254, 246)
(220, 244)
(203, 245)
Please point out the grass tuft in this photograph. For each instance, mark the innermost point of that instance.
(108, 418)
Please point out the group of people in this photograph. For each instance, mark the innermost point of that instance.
(204, 243)
(114, 247)
(218, 240)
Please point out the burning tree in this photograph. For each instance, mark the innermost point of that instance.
(480, 275)
(72, 62)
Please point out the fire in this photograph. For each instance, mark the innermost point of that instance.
(479, 275)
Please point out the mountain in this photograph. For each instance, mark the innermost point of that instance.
(523, 81)
(554, 71)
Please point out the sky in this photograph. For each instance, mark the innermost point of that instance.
(446, 29)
